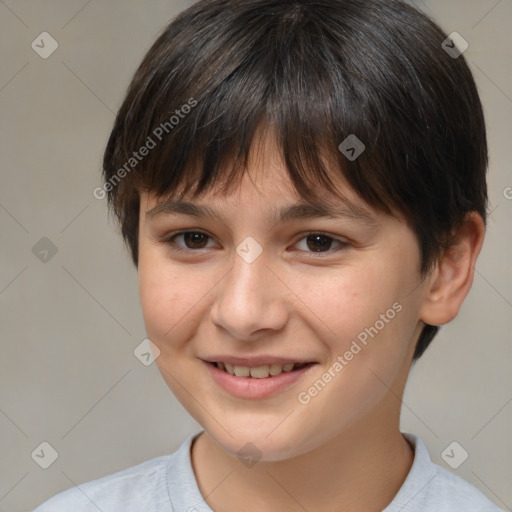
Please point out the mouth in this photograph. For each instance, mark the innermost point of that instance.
(259, 372)
(257, 382)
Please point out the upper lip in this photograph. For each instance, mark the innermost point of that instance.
(255, 361)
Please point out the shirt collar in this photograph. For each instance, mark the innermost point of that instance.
(184, 493)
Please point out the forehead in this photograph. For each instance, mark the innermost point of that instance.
(266, 184)
(271, 197)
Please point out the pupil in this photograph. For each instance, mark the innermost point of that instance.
(190, 238)
(321, 237)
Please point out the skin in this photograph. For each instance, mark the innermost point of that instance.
(335, 449)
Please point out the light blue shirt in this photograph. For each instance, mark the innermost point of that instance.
(168, 484)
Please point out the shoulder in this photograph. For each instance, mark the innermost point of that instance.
(430, 488)
(449, 492)
(131, 489)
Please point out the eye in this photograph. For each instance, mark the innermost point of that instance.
(317, 243)
(320, 244)
(193, 240)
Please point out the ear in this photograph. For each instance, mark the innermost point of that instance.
(452, 278)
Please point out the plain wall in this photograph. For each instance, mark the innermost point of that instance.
(68, 375)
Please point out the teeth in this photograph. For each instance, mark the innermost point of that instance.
(242, 371)
(258, 372)
(276, 369)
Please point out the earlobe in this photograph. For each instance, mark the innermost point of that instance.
(452, 278)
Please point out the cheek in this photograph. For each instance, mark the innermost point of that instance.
(366, 315)
(345, 301)
(170, 298)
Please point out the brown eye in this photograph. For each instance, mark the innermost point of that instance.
(194, 239)
(320, 244)
(317, 244)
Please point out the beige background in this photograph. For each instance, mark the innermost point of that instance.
(68, 375)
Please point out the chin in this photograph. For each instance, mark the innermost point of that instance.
(256, 443)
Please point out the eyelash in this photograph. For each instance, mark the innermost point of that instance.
(169, 241)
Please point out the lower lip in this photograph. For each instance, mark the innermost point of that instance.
(250, 387)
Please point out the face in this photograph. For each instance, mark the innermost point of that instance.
(339, 296)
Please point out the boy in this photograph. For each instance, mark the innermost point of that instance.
(302, 188)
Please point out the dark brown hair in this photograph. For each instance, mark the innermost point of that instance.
(317, 71)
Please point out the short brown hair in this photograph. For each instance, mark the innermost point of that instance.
(318, 71)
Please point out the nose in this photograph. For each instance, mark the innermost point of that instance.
(251, 300)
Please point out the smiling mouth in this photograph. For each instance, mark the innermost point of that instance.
(259, 372)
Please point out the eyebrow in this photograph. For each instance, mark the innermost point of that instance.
(303, 210)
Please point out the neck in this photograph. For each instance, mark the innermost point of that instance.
(352, 469)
